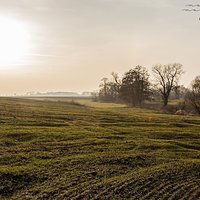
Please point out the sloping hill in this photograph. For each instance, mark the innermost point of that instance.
(63, 150)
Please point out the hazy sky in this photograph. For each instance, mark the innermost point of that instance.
(72, 44)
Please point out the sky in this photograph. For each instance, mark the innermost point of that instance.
(70, 45)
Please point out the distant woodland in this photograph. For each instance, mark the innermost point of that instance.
(161, 91)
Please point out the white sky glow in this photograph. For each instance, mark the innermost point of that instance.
(14, 43)
(70, 45)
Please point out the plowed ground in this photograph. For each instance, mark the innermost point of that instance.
(61, 150)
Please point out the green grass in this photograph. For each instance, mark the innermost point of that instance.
(58, 149)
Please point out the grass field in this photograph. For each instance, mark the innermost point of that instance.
(62, 150)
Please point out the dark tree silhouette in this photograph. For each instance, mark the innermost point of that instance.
(193, 94)
(135, 86)
(109, 89)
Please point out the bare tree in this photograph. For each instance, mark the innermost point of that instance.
(167, 77)
(116, 82)
(193, 95)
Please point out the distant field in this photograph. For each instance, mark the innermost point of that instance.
(58, 149)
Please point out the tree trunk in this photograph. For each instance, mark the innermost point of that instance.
(165, 101)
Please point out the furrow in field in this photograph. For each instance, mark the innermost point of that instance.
(157, 190)
(190, 192)
(182, 190)
(168, 194)
(195, 194)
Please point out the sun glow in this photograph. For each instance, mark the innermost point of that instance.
(14, 43)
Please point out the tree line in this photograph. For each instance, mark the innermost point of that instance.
(135, 87)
